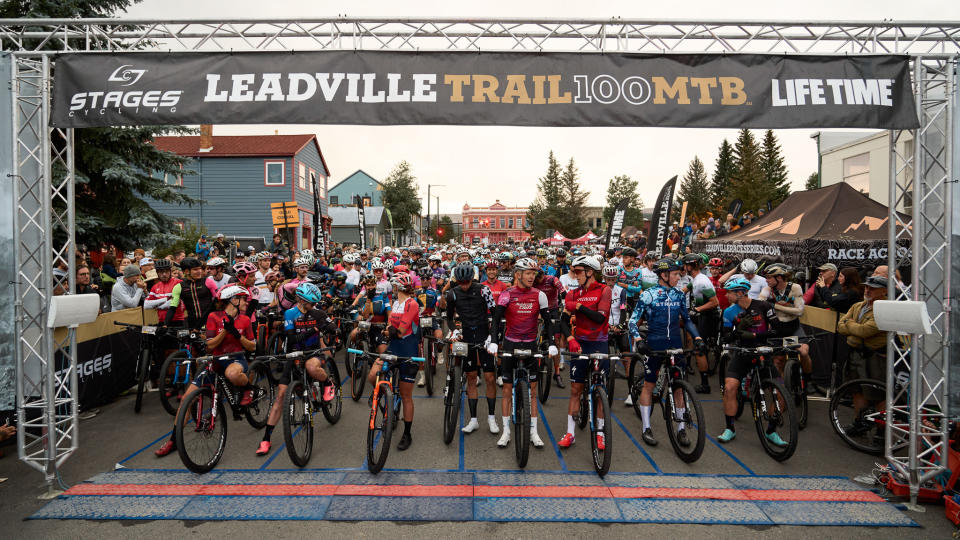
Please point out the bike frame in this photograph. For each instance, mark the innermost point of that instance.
(520, 369)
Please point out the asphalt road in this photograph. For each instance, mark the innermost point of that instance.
(119, 435)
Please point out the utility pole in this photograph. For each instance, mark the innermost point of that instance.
(429, 223)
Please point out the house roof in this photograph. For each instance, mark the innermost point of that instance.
(240, 146)
(358, 172)
(346, 216)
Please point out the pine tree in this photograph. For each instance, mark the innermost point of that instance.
(722, 176)
(619, 188)
(694, 190)
(400, 197)
(544, 212)
(747, 183)
(774, 171)
(572, 212)
(813, 181)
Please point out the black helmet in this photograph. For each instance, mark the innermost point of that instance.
(190, 262)
(561, 253)
(666, 264)
(463, 272)
(162, 264)
(629, 252)
(692, 259)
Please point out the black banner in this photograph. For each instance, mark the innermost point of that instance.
(810, 252)
(468, 88)
(660, 223)
(735, 206)
(361, 222)
(616, 222)
(106, 366)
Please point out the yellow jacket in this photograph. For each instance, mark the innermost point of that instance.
(861, 332)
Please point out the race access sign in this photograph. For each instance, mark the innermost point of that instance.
(520, 89)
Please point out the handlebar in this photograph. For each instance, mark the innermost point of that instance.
(297, 354)
(388, 358)
(762, 350)
(521, 353)
(593, 356)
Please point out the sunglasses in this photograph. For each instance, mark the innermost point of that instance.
(578, 270)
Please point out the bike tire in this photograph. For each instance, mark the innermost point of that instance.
(545, 379)
(173, 381)
(451, 403)
(636, 385)
(380, 429)
(359, 372)
(692, 419)
(143, 370)
(195, 417)
(793, 381)
(583, 415)
(258, 411)
(601, 458)
(333, 408)
(521, 403)
(429, 366)
(843, 417)
(298, 423)
(611, 383)
(786, 413)
(261, 340)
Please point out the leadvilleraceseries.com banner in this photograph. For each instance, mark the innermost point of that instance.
(462, 88)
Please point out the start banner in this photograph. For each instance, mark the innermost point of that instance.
(466, 88)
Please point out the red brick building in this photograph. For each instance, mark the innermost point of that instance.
(495, 223)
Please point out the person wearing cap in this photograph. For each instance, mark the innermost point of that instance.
(825, 288)
(220, 244)
(868, 344)
(202, 248)
(129, 291)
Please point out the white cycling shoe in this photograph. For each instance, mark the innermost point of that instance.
(535, 439)
(472, 426)
(629, 401)
(504, 439)
(421, 380)
(494, 428)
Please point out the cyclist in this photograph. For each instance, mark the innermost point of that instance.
(560, 266)
(404, 335)
(664, 308)
(216, 276)
(590, 305)
(495, 285)
(750, 328)
(747, 271)
(716, 270)
(341, 289)
(229, 335)
(520, 305)
(648, 278)
(472, 302)
(375, 300)
(301, 266)
(246, 274)
(630, 275)
(427, 296)
(542, 261)
(262, 260)
(302, 324)
(703, 310)
(552, 287)
(193, 292)
(506, 272)
(787, 299)
(618, 312)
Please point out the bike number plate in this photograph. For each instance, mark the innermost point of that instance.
(152, 330)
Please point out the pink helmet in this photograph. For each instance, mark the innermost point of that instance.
(403, 281)
(244, 268)
(288, 295)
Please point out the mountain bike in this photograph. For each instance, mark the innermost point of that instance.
(773, 406)
(793, 375)
(430, 348)
(358, 363)
(201, 426)
(267, 324)
(303, 398)
(858, 411)
(178, 369)
(455, 387)
(545, 367)
(384, 406)
(595, 410)
(521, 401)
(148, 346)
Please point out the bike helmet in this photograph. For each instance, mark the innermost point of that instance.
(463, 272)
(587, 261)
(478, 261)
(162, 264)
(737, 284)
(490, 264)
(308, 292)
(506, 256)
(387, 250)
(288, 295)
(230, 290)
(244, 268)
(610, 271)
(716, 262)
(629, 252)
(561, 253)
(526, 263)
(649, 257)
(704, 259)
(692, 259)
(403, 282)
(215, 262)
(748, 266)
(350, 258)
(300, 261)
(273, 274)
(308, 253)
(666, 264)
(425, 272)
(377, 265)
(435, 258)
(400, 268)
(541, 252)
(189, 263)
(776, 269)
(339, 276)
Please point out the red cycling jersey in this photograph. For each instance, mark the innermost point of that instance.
(596, 297)
(496, 287)
(404, 316)
(551, 286)
(229, 344)
(522, 310)
(721, 293)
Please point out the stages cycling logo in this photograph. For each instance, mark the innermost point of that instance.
(124, 101)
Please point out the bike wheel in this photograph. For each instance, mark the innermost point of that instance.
(359, 373)
(601, 458)
(690, 418)
(611, 383)
(173, 381)
(722, 370)
(298, 423)
(143, 370)
(545, 379)
(774, 413)
(429, 366)
(521, 417)
(583, 414)
(261, 340)
(332, 409)
(201, 431)
(263, 394)
(380, 429)
(275, 345)
(793, 381)
(862, 429)
(451, 403)
(636, 384)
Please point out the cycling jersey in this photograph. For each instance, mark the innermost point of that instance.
(664, 308)
(375, 304)
(230, 344)
(721, 293)
(549, 270)
(759, 318)
(569, 282)
(159, 299)
(217, 284)
(648, 279)
(618, 304)
(496, 287)
(303, 329)
(404, 316)
(343, 293)
(506, 276)
(756, 285)
(427, 298)
(701, 290)
(197, 300)
(730, 313)
(266, 295)
(593, 299)
(633, 280)
(788, 316)
(472, 306)
(521, 307)
(551, 287)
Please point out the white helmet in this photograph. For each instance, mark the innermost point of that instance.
(350, 258)
(377, 265)
(588, 261)
(300, 261)
(748, 266)
(387, 250)
(610, 271)
(435, 257)
(231, 290)
(216, 261)
(526, 263)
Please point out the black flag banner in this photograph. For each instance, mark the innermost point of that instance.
(660, 224)
(361, 222)
(469, 88)
(616, 222)
(735, 206)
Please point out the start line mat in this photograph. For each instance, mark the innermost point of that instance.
(473, 496)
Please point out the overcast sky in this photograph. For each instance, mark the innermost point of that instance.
(481, 164)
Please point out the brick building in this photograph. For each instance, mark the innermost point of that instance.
(494, 223)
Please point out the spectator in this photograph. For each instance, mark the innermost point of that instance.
(851, 290)
(178, 256)
(84, 286)
(202, 248)
(220, 243)
(128, 291)
(826, 287)
(884, 272)
(138, 254)
(123, 264)
(110, 266)
(868, 344)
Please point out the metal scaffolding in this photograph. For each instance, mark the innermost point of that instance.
(44, 193)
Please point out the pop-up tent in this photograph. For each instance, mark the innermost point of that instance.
(835, 224)
(558, 239)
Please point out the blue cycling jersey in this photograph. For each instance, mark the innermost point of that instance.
(549, 270)
(297, 322)
(344, 293)
(664, 309)
(730, 314)
(632, 279)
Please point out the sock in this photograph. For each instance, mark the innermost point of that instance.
(600, 423)
(268, 432)
(570, 424)
(704, 379)
(506, 424)
(492, 405)
(730, 420)
(645, 416)
(473, 407)
(406, 427)
(533, 423)
(491, 418)
(680, 413)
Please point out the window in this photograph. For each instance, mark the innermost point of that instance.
(476, 222)
(322, 187)
(856, 172)
(367, 201)
(334, 200)
(511, 223)
(502, 225)
(273, 173)
(302, 177)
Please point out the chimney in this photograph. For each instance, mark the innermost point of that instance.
(206, 137)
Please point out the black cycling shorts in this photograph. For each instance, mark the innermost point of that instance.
(708, 324)
(507, 363)
(739, 365)
(479, 357)
(287, 373)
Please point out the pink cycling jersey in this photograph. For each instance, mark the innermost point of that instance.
(522, 309)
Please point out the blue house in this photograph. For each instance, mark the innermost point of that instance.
(358, 183)
(238, 176)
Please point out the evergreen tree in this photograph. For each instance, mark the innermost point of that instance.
(774, 171)
(694, 190)
(544, 212)
(572, 213)
(747, 183)
(619, 188)
(400, 197)
(722, 176)
(813, 181)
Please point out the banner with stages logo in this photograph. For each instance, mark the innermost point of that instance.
(519, 89)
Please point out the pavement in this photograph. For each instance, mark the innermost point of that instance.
(119, 488)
